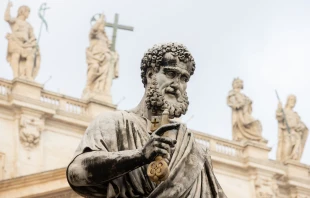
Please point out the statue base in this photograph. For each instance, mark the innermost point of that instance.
(294, 167)
(256, 149)
(99, 96)
(28, 88)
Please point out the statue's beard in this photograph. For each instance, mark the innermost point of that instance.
(155, 101)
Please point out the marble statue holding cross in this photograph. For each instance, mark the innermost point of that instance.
(142, 152)
(23, 53)
(102, 60)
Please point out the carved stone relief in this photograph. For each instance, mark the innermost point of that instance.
(266, 187)
(30, 130)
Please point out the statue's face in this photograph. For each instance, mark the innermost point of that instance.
(101, 28)
(172, 81)
(26, 13)
(167, 90)
(238, 84)
(291, 101)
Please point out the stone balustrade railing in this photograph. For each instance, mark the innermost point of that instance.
(69, 104)
(59, 101)
(5, 87)
(219, 145)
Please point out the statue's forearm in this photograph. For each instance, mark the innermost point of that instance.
(96, 167)
(279, 115)
(235, 101)
(7, 15)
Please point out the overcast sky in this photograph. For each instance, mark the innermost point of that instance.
(265, 43)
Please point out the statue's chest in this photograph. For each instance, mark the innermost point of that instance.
(292, 118)
(21, 26)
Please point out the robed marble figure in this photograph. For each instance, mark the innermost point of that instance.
(117, 147)
(244, 125)
(292, 132)
(102, 63)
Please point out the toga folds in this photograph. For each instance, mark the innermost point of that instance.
(245, 126)
(191, 173)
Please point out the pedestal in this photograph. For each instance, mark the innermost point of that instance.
(95, 107)
(27, 88)
(98, 96)
(296, 168)
(256, 150)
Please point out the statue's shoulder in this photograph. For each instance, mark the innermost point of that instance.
(231, 93)
(110, 116)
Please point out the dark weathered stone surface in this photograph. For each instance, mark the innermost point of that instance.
(112, 158)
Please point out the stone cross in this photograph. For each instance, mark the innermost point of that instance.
(155, 123)
(116, 26)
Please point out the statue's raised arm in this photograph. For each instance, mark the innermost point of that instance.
(7, 14)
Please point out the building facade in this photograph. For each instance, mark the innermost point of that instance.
(40, 131)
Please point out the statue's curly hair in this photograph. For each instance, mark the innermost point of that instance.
(235, 80)
(153, 58)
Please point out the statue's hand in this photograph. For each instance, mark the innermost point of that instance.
(300, 127)
(279, 105)
(10, 4)
(159, 146)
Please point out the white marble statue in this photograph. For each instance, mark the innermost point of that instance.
(102, 62)
(22, 54)
(292, 132)
(244, 126)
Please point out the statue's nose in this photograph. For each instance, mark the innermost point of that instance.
(176, 83)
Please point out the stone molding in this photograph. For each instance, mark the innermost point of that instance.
(2, 163)
(47, 101)
(31, 180)
(30, 129)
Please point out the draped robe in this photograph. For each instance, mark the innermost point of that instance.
(245, 127)
(290, 144)
(191, 173)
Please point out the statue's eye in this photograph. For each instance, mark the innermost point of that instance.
(184, 78)
(171, 74)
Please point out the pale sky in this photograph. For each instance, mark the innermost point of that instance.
(265, 43)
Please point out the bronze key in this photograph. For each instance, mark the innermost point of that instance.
(158, 170)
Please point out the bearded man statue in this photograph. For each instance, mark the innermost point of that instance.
(117, 147)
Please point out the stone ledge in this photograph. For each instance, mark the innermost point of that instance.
(32, 83)
(113, 106)
(60, 193)
(32, 179)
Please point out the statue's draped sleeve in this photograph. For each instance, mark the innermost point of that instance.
(235, 100)
(112, 132)
(7, 16)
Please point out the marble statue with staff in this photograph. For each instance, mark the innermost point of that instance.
(23, 52)
(292, 132)
(142, 152)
